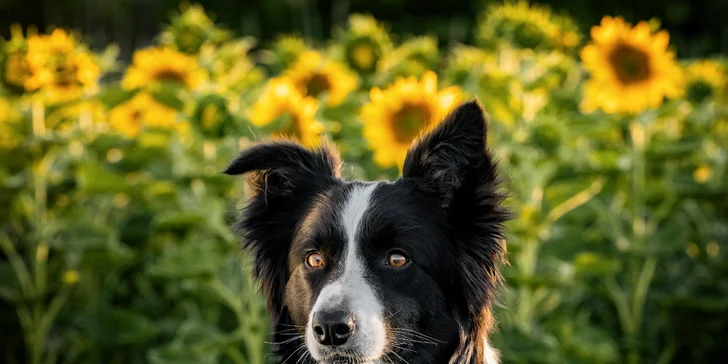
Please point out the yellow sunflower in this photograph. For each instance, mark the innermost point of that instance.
(631, 68)
(60, 67)
(465, 63)
(16, 70)
(365, 42)
(231, 68)
(284, 52)
(14, 67)
(705, 78)
(142, 112)
(192, 28)
(313, 75)
(154, 65)
(398, 114)
(523, 25)
(282, 100)
(412, 58)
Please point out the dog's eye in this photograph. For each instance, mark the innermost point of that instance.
(397, 260)
(315, 260)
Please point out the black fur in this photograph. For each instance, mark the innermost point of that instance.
(445, 212)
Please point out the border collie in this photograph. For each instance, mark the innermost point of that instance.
(378, 272)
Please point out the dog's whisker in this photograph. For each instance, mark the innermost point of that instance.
(303, 357)
(417, 340)
(302, 346)
(297, 337)
(287, 325)
(400, 357)
(415, 333)
(393, 314)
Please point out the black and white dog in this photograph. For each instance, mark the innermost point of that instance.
(379, 272)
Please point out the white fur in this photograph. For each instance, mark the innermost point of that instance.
(492, 356)
(369, 338)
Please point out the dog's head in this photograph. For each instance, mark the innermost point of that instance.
(402, 271)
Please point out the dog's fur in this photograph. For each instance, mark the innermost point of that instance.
(444, 215)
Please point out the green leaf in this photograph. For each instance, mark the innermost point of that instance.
(591, 263)
(94, 178)
(9, 288)
(112, 96)
(168, 94)
(188, 260)
(125, 327)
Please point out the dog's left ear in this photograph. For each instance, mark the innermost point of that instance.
(452, 164)
(453, 160)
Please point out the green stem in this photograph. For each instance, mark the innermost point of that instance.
(527, 265)
(642, 271)
(620, 302)
(19, 267)
(36, 343)
(642, 287)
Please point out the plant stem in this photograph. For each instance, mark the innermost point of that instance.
(643, 270)
(527, 265)
(40, 248)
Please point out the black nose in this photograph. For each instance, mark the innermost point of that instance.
(332, 328)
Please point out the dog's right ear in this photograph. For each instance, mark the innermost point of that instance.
(285, 178)
(277, 166)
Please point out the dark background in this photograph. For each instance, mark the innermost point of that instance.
(697, 28)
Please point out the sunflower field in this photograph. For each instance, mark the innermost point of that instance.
(115, 240)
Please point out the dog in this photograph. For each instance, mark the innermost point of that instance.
(378, 272)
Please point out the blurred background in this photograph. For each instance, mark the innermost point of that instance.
(609, 119)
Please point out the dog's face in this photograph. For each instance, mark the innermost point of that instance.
(372, 272)
(369, 272)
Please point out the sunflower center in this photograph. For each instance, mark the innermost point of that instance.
(16, 70)
(698, 91)
(317, 84)
(66, 75)
(363, 56)
(170, 75)
(408, 122)
(631, 64)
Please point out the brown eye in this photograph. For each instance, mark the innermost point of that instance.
(397, 260)
(315, 260)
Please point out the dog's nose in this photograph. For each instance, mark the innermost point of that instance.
(332, 328)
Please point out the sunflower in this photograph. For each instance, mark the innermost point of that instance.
(705, 78)
(230, 66)
(60, 67)
(412, 58)
(192, 28)
(153, 66)
(365, 43)
(284, 52)
(523, 25)
(314, 75)
(282, 100)
(142, 112)
(631, 68)
(14, 67)
(16, 70)
(396, 115)
(465, 63)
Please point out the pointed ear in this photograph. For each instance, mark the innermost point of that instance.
(453, 155)
(276, 166)
(452, 164)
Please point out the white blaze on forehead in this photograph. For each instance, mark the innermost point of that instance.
(352, 288)
(354, 210)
